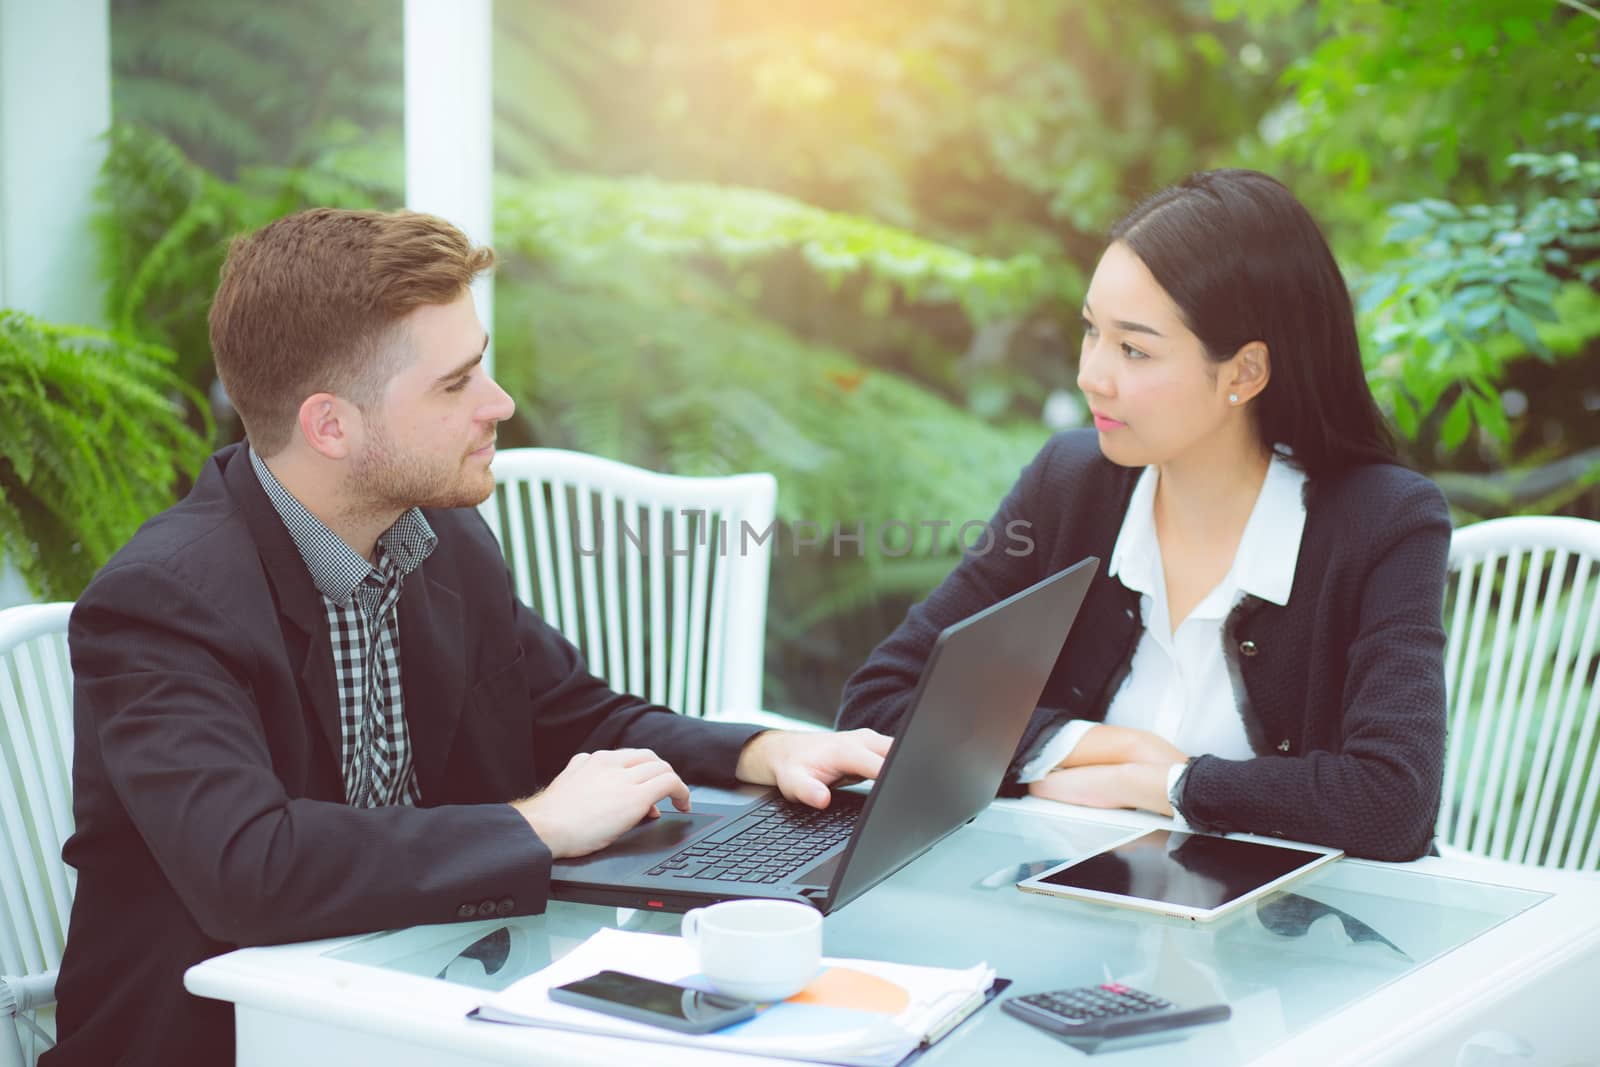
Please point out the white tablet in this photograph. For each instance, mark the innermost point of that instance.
(1195, 876)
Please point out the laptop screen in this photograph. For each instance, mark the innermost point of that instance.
(978, 689)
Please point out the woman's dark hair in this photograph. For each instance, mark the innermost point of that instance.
(1244, 261)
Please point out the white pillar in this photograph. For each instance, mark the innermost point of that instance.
(55, 105)
(450, 122)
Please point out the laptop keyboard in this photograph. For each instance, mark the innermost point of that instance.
(767, 844)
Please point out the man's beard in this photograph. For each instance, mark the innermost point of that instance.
(386, 480)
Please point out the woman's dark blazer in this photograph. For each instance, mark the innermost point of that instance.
(1341, 690)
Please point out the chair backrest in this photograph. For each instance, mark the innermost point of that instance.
(36, 887)
(1522, 611)
(660, 580)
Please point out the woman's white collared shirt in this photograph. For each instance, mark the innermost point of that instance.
(1178, 685)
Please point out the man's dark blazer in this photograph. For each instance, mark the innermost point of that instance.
(206, 783)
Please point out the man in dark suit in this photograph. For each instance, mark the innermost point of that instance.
(307, 701)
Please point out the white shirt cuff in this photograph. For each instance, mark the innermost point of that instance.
(1178, 821)
(1055, 750)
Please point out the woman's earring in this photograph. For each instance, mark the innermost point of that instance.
(1233, 398)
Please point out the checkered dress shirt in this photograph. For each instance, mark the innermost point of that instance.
(361, 600)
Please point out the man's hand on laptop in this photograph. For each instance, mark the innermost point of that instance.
(598, 796)
(803, 765)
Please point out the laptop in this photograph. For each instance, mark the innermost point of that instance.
(977, 691)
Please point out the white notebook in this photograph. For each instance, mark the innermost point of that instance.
(864, 1013)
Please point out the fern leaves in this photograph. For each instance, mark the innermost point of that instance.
(586, 218)
(92, 442)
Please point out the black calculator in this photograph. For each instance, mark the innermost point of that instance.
(1111, 1013)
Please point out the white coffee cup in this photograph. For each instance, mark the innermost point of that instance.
(756, 949)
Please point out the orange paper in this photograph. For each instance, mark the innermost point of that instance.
(840, 987)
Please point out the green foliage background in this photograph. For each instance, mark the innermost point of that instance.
(845, 242)
(92, 442)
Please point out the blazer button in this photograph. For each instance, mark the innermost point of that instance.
(466, 911)
(505, 907)
(486, 909)
(1248, 647)
(1283, 746)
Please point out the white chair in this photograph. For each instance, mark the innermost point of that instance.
(1522, 778)
(660, 580)
(36, 887)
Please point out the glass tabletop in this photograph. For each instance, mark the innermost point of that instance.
(1282, 963)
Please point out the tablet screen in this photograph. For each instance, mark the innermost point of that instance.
(1188, 870)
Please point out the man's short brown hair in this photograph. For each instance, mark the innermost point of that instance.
(312, 303)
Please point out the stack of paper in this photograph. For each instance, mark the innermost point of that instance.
(858, 1012)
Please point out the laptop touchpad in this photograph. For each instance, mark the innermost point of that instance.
(652, 840)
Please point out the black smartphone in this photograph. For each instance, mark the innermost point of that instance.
(645, 1000)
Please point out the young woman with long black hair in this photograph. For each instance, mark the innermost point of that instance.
(1262, 648)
